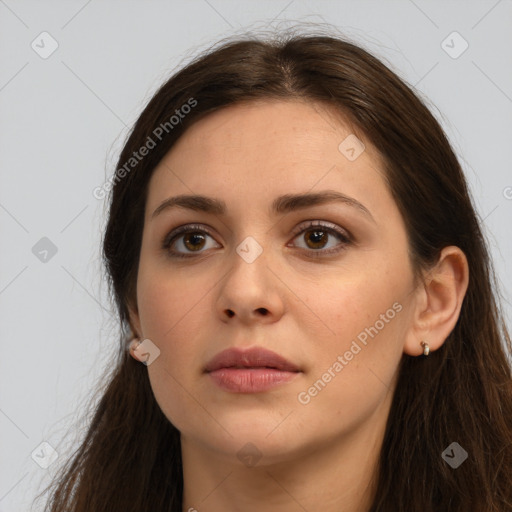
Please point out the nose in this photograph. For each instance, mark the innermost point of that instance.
(250, 291)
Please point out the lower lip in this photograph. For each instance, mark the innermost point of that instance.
(250, 380)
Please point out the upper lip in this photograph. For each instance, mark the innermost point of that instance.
(256, 357)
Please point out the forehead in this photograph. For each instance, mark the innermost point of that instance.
(278, 126)
(265, 148)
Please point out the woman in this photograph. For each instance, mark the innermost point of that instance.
(306, 300)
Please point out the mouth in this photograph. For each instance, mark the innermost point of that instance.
(250, 371)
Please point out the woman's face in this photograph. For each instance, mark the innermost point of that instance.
(325, 284)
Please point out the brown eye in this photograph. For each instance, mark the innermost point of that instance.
(316, 238)
(187, 240)
(320, 239)
(194, 241)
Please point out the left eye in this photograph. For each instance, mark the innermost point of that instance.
(316, 236)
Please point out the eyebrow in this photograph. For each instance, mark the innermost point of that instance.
(282, 204)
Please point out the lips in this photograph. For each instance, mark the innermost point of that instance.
(250, 371)
(252, 358)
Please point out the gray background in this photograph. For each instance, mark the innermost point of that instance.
(63, 119)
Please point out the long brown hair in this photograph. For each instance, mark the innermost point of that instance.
(130, 458)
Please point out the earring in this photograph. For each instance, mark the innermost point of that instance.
(426, 348)
(132, 347)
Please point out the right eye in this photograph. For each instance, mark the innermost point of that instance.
(191, 238)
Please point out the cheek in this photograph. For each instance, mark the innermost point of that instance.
(173, 317)
(353, 304)
(173, 314)
(166, 302)
(352, 378)
(363, 323)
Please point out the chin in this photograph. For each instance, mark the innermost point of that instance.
(253, 440)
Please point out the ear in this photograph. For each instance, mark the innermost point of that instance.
(134, 320)
(438, 302)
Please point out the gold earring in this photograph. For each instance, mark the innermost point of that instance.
(426, 348)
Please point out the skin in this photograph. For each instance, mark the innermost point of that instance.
(319, 455)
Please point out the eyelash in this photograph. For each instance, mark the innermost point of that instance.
(329, 228)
